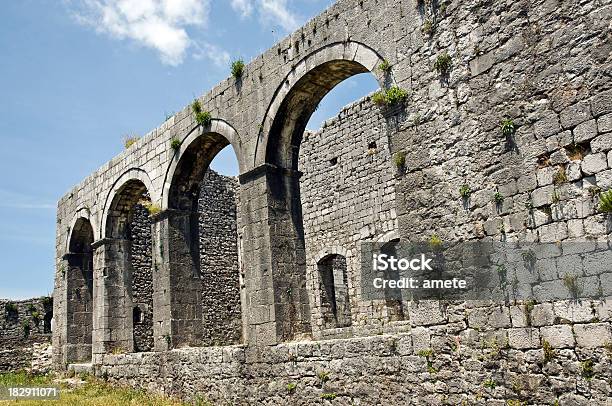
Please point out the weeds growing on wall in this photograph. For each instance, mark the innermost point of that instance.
(605, 202)
(392, 96)
(385, 66)
(399, 159)
(175, 144)
(465, 191)
(237, 68)
(508, 128)
(443, 64)
(129, 140)
(202, 117)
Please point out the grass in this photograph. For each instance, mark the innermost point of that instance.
(571, 283)
(561, 176)
(549, 353)
(93, 392)
(202, 117)
(238, 68)
(399, 159)
(443, 63)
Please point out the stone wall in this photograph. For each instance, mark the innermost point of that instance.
(219, 271)
(25, 331)
(348, 196)
(540, 67)
(466, 355)
(141, 257)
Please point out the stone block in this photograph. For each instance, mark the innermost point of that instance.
(592, 335)
(524, 338)
(594, 163)
(585, 131)
(559, 336)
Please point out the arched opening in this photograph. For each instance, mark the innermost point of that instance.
(204, 259)
(335, 300)
(332, 187)
(79, 298)
(128, 224)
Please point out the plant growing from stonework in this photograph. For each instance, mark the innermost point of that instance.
(389, 97)
(323, 376)
(549, 353)
(443, 63)
(465, 191)
(554, 197)
(202, 117)
(427, 27)
(329, 396)
(586, 369)
(26, 328)
(527, 309)
(489, 383)
(605, 202)
(385, 66)
(175, 144)
(399, 159)
(237, 68)
(10, 308)
(507, 127)
(130, 140)
(152, 208)
(291, 387)
(498, 198)
(435, 242)
(561, 176)
(570, 281)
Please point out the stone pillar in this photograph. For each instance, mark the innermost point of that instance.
(60, 311)
(113, 324)
(273, 256)
(177, 302)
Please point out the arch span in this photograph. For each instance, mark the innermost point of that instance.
(211, 140)
(135, 179)
(300, 92)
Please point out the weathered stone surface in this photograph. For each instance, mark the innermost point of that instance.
(306, 196)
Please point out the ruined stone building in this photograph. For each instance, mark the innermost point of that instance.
(248, 291)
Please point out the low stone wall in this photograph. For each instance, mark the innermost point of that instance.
(25, 334)
(469, 355)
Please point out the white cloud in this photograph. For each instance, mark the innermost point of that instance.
(215, 54)
(270, 12)
(243, 7)
(276, 11)
(156, 24)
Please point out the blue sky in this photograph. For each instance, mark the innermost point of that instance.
(78, 75)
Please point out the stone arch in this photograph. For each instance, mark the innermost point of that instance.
(128, 276)
(300, 92)
(221, 134)
(277, 155)
(129, 178)
(79, 292)
(200, 224)
(82, 213)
